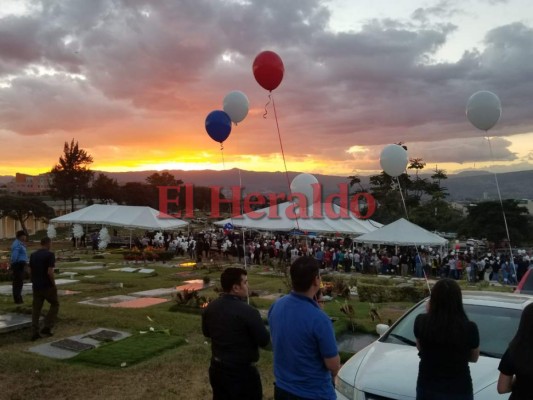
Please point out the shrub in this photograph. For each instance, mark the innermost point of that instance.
(5, 275)
(389, 293)
(341, 287)
(375, 281)
(165, 255)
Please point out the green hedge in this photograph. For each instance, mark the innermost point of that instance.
(376, 281)
(389, 293)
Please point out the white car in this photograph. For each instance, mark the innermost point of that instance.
(388, 368)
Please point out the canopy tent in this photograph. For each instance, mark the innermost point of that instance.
(325, 224)
(402, 233)
(131, 217)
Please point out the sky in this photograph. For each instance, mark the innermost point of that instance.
(132, 82)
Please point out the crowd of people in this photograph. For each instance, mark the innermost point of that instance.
(339, 254)
(342, 254)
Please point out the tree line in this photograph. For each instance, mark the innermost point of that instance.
(423, 202)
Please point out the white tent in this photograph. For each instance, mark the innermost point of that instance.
(131, 217)
(402, 233)
(278, 218)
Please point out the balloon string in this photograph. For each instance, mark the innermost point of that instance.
(242, 213)
(403, 200)
(414, 244)
(266, 105)
(224, 168)
(282, 151)
(222, 154)
(501, 205)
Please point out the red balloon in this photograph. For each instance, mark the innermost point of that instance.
(268, 70)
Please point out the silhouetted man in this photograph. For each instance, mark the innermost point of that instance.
(236, 331)
(42, 264)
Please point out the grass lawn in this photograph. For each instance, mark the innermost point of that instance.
(129, 351)
(158, 367)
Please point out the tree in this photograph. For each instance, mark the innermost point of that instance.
(355, 180)
(105, 189)
(419, 186)
(70, 178)
(485, 220)
(139, 194)
(435, 189)
(388, 196)
(437, 215)
(163, 179)
(22, 208)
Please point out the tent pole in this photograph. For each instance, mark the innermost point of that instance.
(244, 248)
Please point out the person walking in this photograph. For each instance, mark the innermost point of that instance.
(516, 369)
(447, 341)
(19, 260)
(306, 358)
(42, 264)
(236, 331)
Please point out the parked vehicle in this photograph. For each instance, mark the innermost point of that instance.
(387, 369)
(525, 286)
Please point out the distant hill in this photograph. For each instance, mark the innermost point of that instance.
(465, 186)
(513, 185)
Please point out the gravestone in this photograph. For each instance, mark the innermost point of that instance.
(72, 345)
(12, 322)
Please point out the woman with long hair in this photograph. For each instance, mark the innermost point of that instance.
(516, 367)
(447, 341)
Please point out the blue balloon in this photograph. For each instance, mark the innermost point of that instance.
(218, 125)
(228, 226)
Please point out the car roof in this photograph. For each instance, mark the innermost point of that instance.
(497, 299)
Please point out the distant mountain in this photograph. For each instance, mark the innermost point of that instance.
(465, 186)
(513, 185)
(252, 181)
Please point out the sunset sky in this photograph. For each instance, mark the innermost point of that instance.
(133, 80)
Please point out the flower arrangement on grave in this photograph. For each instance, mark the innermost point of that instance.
(5, 272)
(190, 299)
(327, 288)
(149, 253)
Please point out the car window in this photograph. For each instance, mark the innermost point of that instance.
(402, 333)
(496, 325)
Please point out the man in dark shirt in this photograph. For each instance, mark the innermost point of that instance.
(236, 331)
(42, 263)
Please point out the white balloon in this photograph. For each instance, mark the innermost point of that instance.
(483, 110)
(302, 183)
(393, 160)
(236, 105)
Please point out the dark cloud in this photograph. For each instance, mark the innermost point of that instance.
(167, 60)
